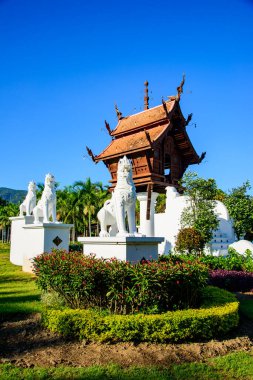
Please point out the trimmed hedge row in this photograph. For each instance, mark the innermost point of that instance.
(218, 315)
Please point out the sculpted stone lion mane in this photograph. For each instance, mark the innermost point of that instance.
(121, 204)
(46, 206)
(30, 200)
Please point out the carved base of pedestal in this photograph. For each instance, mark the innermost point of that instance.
(131, 249)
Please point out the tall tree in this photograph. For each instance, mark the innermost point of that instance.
(7, 211)
(199, 213)
(240, 207)
(3, 202)
(68, 208)
(90, 198)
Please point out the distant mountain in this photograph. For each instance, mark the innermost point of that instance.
(11, 195)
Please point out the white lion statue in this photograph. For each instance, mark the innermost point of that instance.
(46, 206)
(121, 204)
(30, 200)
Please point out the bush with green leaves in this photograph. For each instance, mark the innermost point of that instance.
(240, 207)
(52, 300)
(199, 212)
(189, 240)
(217, 316)
(120, 287)
(75, 246)
(233, 261)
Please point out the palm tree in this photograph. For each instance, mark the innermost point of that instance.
(68, 208)
(86, 199)
(91, 197)
(102, 195)
(40, 188)
(79, 204)
(7, 211)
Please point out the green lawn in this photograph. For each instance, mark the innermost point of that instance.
(18, 292)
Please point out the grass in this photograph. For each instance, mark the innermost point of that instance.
(246, 308)
(18, 291)
(234, 366)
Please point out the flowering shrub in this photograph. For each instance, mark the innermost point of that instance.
(120, 287)
(235, 281)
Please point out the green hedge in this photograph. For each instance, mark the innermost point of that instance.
(218, 315)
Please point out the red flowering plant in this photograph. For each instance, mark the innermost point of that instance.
(75, 277)
(120, 287)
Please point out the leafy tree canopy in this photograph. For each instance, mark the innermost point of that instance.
(240, 207)
(199, 213)
(3, 202)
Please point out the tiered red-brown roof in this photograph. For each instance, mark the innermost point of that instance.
(129, 134)
(147, 133)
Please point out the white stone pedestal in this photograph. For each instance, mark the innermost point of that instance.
(17, 237)
(131, 249)
(43, 238)
(29, 240)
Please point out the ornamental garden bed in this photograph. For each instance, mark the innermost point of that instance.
(113, 301)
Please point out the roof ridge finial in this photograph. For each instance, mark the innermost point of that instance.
(107, 126)
(90, 153)
(146, 97)
(119, 114)
(180, 88)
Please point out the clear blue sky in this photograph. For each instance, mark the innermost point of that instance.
(64, 63)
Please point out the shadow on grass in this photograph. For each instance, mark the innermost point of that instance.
(23, 278)
(8, 292)
(20, 298)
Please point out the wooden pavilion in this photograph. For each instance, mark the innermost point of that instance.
(157, 142)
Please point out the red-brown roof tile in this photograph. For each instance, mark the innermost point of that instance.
(133, 142)
(144, 118)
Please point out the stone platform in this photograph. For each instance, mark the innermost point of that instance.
(17, 237)
(131, 249)
(29, 240)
